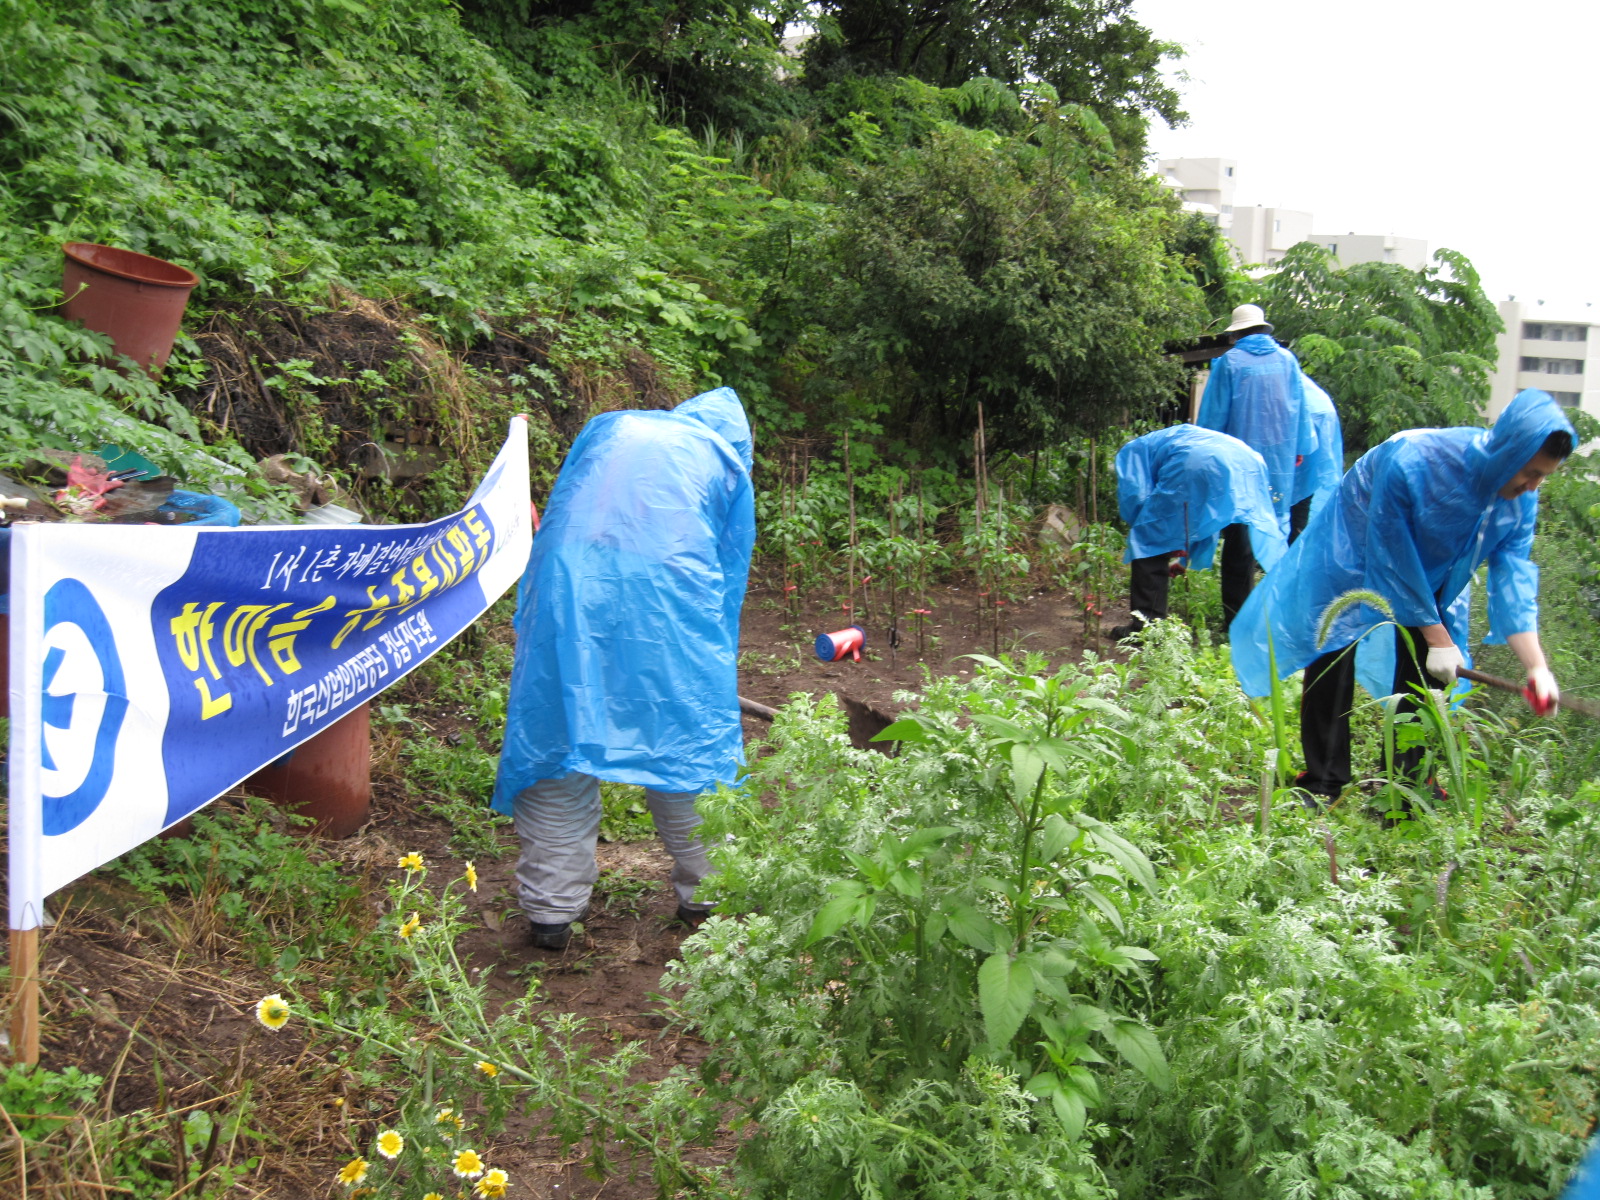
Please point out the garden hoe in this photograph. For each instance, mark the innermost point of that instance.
(1570, 703)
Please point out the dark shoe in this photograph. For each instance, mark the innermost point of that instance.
(550, 937)
(1124, 631)
(554, 937)
(691, 917)
(1315, 799)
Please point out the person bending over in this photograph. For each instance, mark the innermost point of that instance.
(1178, 489)
(1412, 521)
(627, 638)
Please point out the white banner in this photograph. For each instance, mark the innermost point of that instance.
(155, 668)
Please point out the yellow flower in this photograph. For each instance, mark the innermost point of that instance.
(407, 928)
(411, 862)
(472, 877)
(468, 1165)
(493, 1184)
(353, 1172)
(433, 1196)
(488, 1069)
(272, 1012)
(449, 1121)
(390, 1143)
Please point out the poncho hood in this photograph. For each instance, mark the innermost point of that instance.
(1257, 344)
(1500, 452)
(720, 411)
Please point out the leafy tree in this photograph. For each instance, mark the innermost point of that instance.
(707, 62)
(1027, 274)
(1211, 264)
(1395, 348)
(1091, 52)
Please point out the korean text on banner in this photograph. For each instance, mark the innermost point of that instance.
(154, 668)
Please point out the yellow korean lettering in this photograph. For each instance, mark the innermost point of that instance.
(480, 533)
(425, 577)
(239, 635)
(193, 632)
(458, 538)
(375, 604)
(211, 706)
(280, 638)
(445, 563)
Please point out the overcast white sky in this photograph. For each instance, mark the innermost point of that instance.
(1467, 124)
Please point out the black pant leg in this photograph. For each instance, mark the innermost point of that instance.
(1299, 514)
(1410, 668)
(1238, 571)
(1325, 700)
(1148, 585)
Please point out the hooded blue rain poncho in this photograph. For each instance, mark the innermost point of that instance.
(628, 615)
(1412, 521)
(1322, 469)
(1179, 488)
(1257, 394)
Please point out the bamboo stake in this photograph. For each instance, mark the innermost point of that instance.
(25, 995)
(979, 496)
(1269, 773)
(850, 568)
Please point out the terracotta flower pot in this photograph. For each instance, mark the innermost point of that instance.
(135, 300)
(328, 778)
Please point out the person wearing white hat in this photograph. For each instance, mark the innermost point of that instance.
(1257, 394)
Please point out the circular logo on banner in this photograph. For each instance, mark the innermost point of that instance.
(82, 707)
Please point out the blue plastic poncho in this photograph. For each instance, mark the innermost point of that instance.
(628, 615)
(1179, 488)
(1322, 469)
(1412, 520)
(1256, 393)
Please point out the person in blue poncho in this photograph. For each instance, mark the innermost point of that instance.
(1256, 393)
(1411, 521)
(627, 637)
(1318, 475)
(1178, 489)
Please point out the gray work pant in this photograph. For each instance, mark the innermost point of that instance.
(558, 822)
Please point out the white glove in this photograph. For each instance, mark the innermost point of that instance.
(1444, 662)
(1545, 692)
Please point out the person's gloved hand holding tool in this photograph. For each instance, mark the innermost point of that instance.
(1542, 693)
(1444, 662)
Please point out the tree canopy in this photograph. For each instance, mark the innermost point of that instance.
(1396, 348)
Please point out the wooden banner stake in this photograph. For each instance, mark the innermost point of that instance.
(25, 995)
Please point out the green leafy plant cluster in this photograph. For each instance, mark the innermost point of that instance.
(1053, 947)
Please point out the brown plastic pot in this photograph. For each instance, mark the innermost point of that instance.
(135, 300)
(327, 778)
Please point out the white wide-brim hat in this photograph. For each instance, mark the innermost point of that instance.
(1248, 316)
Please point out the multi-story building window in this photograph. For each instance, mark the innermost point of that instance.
(1546, 331)
(1567, 399)
(1553, 366)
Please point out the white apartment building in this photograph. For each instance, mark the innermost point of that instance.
(1203, 185)
(1260, 235)
(1348, 248)
(1552, 347)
